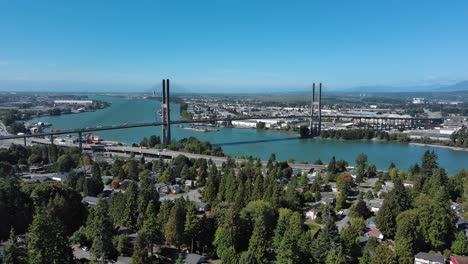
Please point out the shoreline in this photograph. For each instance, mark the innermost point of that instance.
(438, 146)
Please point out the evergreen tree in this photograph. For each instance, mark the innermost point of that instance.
(163, 215)
(247, 258)
(130, 213)
(258, 243)
(226, 237)
(101, 232)
(281, 226)
(47, 242)
(289, 251)
(151, 229)
(210, 192)
(12, 254)
(191, 225)
(407, 233)
(257, 192)
(395, 202)
(331, 167)
(384, 255)
(140, 252)
(350, 239)
(335, 255)
(174, 228)
(429, 162)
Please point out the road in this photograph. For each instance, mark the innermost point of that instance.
(169, 154)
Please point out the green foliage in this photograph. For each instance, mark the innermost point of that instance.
(47, 241)
(460, 244)
(384, 255)
(65, 163)
(63, 203)
(15, 207)
(13, 253)
(100, 230)
(174, 228)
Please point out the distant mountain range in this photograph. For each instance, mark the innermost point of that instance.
(460, 86)
(67, 86)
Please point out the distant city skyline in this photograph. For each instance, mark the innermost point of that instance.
(231, 46)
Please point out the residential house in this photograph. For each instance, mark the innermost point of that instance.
(175, 189)
(426, 258)
(89, 201)
(375, 205)
(372, 230)
(408, 184)
(191, 183)
(328, 198)
(313, 212)
(192, 258)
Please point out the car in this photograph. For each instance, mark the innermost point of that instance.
(85, 248)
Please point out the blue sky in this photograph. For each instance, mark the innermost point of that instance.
(228, 45)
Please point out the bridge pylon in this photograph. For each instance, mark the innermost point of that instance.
(165, 113)
(315, 124)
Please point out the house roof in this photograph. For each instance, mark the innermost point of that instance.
(459, 260)
(194, 259)
(430, 257)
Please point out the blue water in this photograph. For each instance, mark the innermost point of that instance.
(246, 142)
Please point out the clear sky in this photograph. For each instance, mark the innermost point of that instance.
(228, 45)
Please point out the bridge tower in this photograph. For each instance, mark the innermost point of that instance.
(315, 125)
(165, 113)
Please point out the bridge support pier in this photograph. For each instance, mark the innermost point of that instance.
(51, 139)
(24, 141)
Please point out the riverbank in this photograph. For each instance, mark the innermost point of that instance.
(438, 146)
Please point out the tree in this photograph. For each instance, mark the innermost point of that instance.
(140, 252)
(281, 226)
(130, 214)
(225, 238)
(209, 193)
(65, 163)
(101, 232)
(460, 244)
(335, 255)
(12, 254)
(247, 258)
(395, 202)
(332, 165)
(151, 229)
(47, 242)
(289, 250)
(259, 243)
(360, 209)
(361, 163)
(384, 255)
(350, 239)
(174, 228)
(63, 202)
(191, 225)
(407, 233)
(429, 162)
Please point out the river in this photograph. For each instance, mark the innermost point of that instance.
(246, 142)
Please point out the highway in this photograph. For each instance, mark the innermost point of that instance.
(126, 151)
